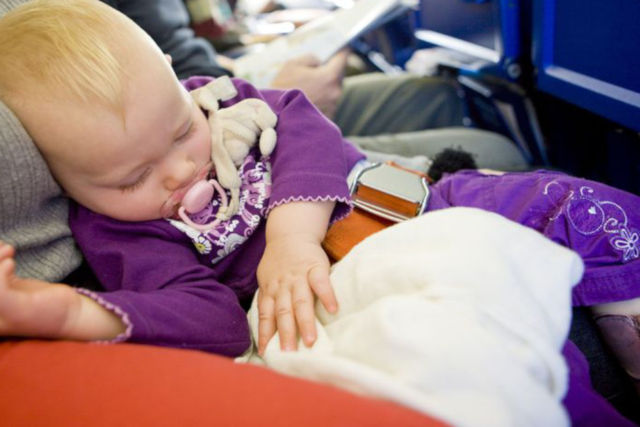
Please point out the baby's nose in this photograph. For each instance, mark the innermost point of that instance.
(179, 175)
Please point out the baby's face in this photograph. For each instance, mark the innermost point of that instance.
(129, 170)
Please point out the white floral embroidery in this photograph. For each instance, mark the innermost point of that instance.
(588, 215)
(202, 245)
(627, 242)
(231, 242)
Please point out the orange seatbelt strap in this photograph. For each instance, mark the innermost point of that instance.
(383, 194)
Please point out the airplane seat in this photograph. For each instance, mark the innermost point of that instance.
(586, 59)
(558, 78)
(485, 45)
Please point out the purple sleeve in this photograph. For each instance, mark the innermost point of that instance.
(156, 284)
(311, 160)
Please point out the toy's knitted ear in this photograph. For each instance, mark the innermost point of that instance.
(220, 89)
(267, 141)
(205, 99)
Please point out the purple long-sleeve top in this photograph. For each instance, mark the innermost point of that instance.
(170, 294)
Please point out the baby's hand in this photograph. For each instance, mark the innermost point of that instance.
(35, 308)
(292, 269)
(30, 307)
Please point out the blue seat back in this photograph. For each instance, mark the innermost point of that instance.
(587, 52)
(489, 30)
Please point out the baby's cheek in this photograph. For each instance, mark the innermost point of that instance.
(143, 206)
(204, 146)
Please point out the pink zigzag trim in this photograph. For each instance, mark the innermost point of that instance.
(346, 200)
(114, 308)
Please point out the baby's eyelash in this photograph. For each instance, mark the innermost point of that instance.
(187, 133)
(137, 184)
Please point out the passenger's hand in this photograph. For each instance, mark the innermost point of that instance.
(225, 62)
(321, 83)
(293, 268)
(30, 307)
(35, 308)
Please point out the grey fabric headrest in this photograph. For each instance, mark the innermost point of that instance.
(33, 211)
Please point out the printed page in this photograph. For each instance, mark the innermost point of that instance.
(322, 37)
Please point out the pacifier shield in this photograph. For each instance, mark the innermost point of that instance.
(198, 196)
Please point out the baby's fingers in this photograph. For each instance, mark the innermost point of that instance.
(305, 315)
(308, 59)
(266, 321)
(7, 267)
(286, 321)
(319, 281)
(6, 250)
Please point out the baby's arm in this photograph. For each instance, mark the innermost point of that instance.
(35, 308)
(293, 268)
(164, 292)
(309, 189)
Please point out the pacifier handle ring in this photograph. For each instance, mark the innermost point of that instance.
(200, 227)
(224, 201)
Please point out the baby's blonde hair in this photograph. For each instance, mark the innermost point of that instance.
(62, 47)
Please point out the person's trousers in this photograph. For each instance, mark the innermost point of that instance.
(411, 116)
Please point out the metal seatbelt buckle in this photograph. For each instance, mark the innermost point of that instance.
(390, 191)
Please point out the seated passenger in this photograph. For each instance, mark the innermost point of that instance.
(416, 116)
(122, 136)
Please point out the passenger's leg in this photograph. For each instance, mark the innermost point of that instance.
(489, 149)
(416, 116)
(374, 104)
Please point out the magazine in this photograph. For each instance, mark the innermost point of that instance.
(322, 37)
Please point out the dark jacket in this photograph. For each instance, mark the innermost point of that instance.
(167, 22)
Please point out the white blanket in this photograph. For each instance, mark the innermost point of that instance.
(459, 313)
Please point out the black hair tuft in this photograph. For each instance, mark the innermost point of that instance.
(450, 160)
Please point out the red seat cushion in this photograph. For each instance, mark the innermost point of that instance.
(70, 383)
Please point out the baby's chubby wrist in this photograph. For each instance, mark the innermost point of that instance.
(292, 237)
(87, 320)
(299, 221)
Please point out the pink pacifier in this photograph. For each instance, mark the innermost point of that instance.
(195, 197)
(198, 197)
